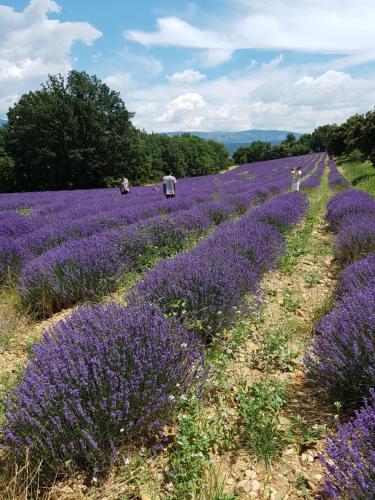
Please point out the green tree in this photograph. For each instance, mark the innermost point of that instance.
(74, 132)
(7, 175)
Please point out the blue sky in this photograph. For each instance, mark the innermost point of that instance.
(200, 65)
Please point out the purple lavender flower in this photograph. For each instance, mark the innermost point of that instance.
(350, 456)
(341, 356)
(96, 381)
(356, 277)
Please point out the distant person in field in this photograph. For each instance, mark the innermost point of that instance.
(125, 187)
(296, 178)
(169, 185)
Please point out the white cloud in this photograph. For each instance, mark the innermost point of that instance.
(172, 31)
(180, 105)
(285, 98)
(121, 82)
(32, 46)
(189, 76)
(214, 57)
(273, 63)
(336, 27)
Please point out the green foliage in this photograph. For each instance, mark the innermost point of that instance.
(259, 407)
(360, 175)
(76, 132)
(189, 460)
(275, 352)
(260, 150)
(7, 177)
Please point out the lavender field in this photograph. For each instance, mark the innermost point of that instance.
(102, 386)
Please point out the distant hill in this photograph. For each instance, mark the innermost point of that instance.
(235, 140)
(2, 122)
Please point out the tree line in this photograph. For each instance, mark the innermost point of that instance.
(76, 132)
(354, 138)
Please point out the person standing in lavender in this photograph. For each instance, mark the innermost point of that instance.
(169, 185)
(125, 186)
(296, 178)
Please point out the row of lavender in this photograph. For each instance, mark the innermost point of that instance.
(341, 357)
(313, 180)
(335, 178)
(75, 265)
(110, 373)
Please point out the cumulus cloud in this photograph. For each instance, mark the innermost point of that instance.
(284, 98)
(188, 76)
(181, 105)
(32, 46)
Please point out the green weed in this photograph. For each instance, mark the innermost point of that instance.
(312, 278)
(258, 407)
(274, 353)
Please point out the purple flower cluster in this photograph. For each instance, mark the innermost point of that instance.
(110, 373)
(313, 181)
(335, 178)
(97, 380)
(351, 215)
(341, 357)
(350, 459)
(64, 270)
(356, 277)
(82, 269)
(206, 286)
(282, 211)
(347, 204)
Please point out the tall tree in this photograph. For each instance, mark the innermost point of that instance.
(73, 132)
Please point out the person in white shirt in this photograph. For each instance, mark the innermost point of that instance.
(125, 186)
(296, 178)
(169, 185)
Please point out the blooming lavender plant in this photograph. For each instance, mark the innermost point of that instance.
(204, 286)
(348, 203)
(356, 277)
(335, 178)
(97, 380)
(341, 357)
(79, 270)
(356, 237)
(350, 456)
(282, 211)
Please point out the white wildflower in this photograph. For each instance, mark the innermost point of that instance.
(171, 397)
(184, 345)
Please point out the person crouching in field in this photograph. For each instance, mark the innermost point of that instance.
(169, 185)
(296, 178)
(125, 186)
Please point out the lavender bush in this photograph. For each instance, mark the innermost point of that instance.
(97, 380)
(203, 286)
(79, 270)
(341, 357)
(356, 277)
(348, 203)
(282, 211)
(335, 179)
(356, 237)
(350, 460)
(12, 256)
(258, 242)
